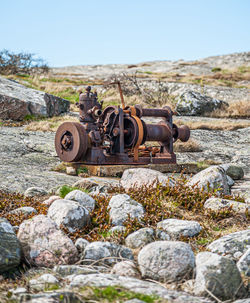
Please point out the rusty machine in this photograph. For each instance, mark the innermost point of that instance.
(116, 135)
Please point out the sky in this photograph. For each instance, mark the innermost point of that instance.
(79, 32)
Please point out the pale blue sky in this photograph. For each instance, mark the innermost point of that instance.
(111, 31)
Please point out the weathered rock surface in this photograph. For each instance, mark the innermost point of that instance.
(217, 204)
(166, 260)
(10, 249)
(35, 191)
(46, 281)
(135, 285)
(121, 206)
(51, 199)
(67, 270)
(50, 297)
(192, 103)
(244, 263)
(232, 245)
(105, 253)
(140, 238)
(138, 177)
(18, 101)
(234, 171)
(126, 268)
(44, 244)
(82, 198)
(25, 210)
(94, 184)
(81, 244)
(215, 176)
(218, 275)
(180, 228)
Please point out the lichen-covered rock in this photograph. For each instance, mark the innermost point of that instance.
(140, 238)
(230, 181)
(233, 170)
(50, 200)
(218, 275)
(35, 191)
(105, 253)
(121, 206)
(232, 245)
(180, 228)
(244, 263)
(82, 198)
(166, 260)
(217, 204)
(50, 297)
(214, 176)
(25, 210)
(44, 244)
(67, 270)
(70, 214)
(192, 103)
(125, 268)
(81, 244)
(44, 282)
(138, 177)
(10, 249)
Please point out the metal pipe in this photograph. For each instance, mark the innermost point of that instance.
(158, 132)
(154, 112)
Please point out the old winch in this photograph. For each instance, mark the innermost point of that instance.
(116, 135)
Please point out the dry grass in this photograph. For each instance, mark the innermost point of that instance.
(234, 110)
(190, 146)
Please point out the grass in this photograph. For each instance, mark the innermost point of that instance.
(238, 109)
(65, 189)
(190, 146)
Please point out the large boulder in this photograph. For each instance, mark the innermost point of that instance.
(18, 101)
(10, 249)
(44, 244)
(166, 261)
(140, 237)
(138, 177)
(213, 177)
(82, 198)
(217, 204)
(192, 103)
(219, 276)
(70, 214)
(121, 206)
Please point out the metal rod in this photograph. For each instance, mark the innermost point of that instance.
(121, 126)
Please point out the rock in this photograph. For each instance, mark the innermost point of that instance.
(218, 275)
(66, 270)
(44, 282)
(138, 177)
(134, 301)
(35, 191)
(105, 253)
(217, 204)
(44, 244)
(51, 200)
(166, 261)
(230, 245)
(81, 244)
(117, 229)
(20, 101)
(120, 206)
(82, 198)
(51, 297)
(234, 171)
(135, 285)
(10, 250)
(71, 171)
(180, 228)
(162, 235)
(93, 184)
(215, 176)
(140, 238)
(70, 214)
(230, 181)
(244, 263)
(25, 210)
(126, 268)
(192, 103)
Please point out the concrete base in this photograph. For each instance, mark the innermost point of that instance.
(117, 170)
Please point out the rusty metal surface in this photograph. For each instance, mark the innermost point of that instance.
(116, 135)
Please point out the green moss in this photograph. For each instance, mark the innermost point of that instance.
(65, 189)
(216, 69)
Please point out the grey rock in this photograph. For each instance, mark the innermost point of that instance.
(233, 170)
(242, 301)
(166, 261)
(231, 244)
(138, 177)
(134, 301)
(70, 214)
(244, 263)
(105, 253)
(20, 101)
(162, 235)
(135, 285)
(230, 181)
(126, 268)
(25, 210)
(81, 244)
(192, 103)
(217, 204)
(140, 238)
(117, 229)
(71, 171)
(66, 270)
(82, 198)
(51, 297)
(35, 191)
(218, 275)
(215, 176)
(46, 281)
(44, 244)
(180, 228)
(50, 200)
(120, 206)
(10, 249)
